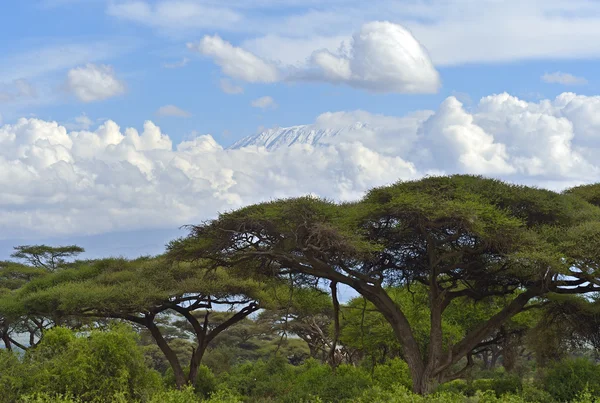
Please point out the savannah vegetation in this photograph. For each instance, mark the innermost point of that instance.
(464, 289)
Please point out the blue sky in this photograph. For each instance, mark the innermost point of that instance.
(69, 66)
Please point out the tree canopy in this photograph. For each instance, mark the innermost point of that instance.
(143, 291)
(462, 237)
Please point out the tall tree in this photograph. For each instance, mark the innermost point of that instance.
(462, 237)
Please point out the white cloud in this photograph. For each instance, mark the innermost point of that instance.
(94, 83)
(265, 102)
(230, 88)
(236, 62)
(383, 57)
(56, 181)
(177, 65)
(563, 78)
(172, 110)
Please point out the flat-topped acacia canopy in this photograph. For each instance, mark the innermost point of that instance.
(140, 290)
(462, 237)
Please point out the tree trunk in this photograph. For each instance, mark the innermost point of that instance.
(336, 327)
(6, 341)
(180, 379)
(425, 383)
(195, 364)
(394, 315)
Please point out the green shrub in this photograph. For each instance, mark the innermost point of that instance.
(265, 379)
(47, 398)
(501, 384)
(103, 366)
(458, 386)
(393, 372)
(206, 382)
(186, 395)
(567, 379)
(14, 376)
(533, 394)
(224, 396)
(318, 380)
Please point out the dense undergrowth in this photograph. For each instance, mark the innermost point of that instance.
(110, 366)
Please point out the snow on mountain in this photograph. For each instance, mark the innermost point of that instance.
(276, 138)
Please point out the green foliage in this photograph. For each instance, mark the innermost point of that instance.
(317, 380)
(567, 379)
(14, 376)
(392, 372)
(185, 395)
(532, 393)
(48, 398)
(97, 367)
(501, 385)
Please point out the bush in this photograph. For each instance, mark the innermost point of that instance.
(458, 386)
(186, 395)
(393, 372)
(567, 379)
(318, 380)
(14, 376)
(104, 366)
(265, 379)
(47, 398)
(533, 394)
(206, 383)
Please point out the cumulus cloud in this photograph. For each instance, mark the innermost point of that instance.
(230, 88)
(382, 57)
(563, 78)
(236, 62)
(60, 181)
(94, 83)
(172, 110)
(265, 102)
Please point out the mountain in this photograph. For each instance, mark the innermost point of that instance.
(273, 139)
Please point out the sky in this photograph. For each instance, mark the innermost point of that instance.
(116, 115)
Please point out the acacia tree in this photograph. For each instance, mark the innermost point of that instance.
(13, 319)
(143, 291)
(38, 260)
(309, 315)
(51, 258)
(462, 237)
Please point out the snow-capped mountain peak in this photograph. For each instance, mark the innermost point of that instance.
(276, 138)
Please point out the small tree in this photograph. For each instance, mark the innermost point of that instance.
(47, 257)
